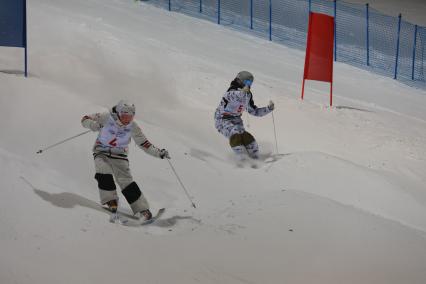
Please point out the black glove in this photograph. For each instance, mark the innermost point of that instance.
(164, 154)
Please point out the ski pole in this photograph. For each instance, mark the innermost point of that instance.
(275, 132)
(63, 141)
(170, 163)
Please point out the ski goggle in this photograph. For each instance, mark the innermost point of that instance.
(248, 83)
(125, 117)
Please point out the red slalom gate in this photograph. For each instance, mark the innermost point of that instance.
(319, 51)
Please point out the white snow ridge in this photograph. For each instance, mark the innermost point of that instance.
(343, 202)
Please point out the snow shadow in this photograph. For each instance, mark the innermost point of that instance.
(170, 222)
(202, 155)
(13, 72)
(70, 200)
(352, 108)
(65, 199)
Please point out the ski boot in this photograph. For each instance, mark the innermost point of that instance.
(146, 215)
(112, 205)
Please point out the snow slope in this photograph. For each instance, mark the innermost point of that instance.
(345, 201)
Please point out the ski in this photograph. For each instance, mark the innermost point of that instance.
(273, 158)
(263, 161)
(118, 218)
(154, 218)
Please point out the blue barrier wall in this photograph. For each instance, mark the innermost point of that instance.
(13, 26)
(364, 37)
(12, 23)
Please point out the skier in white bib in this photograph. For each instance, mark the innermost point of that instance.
(228, 116)
(116, 128)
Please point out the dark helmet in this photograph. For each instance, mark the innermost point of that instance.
(245, 76)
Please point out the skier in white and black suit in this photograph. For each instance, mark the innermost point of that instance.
(116, 128)
(228, 115)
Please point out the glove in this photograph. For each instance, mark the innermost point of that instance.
(164, 154)
(271, 105)
(95, 126)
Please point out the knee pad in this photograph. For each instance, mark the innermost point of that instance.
(247, 138)
(236, 140)
(132, 192)
(105, 182)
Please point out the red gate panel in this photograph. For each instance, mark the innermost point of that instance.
(319, 50)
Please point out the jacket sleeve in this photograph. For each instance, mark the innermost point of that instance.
(253, 109)
(142, 142)
(89, 121)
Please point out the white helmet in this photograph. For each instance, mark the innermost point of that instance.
(125, 106)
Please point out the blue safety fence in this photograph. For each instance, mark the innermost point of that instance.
(364, 37)
(13, 25)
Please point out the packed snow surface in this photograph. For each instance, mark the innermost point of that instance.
(339, 197)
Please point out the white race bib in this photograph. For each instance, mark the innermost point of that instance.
(114, 136)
